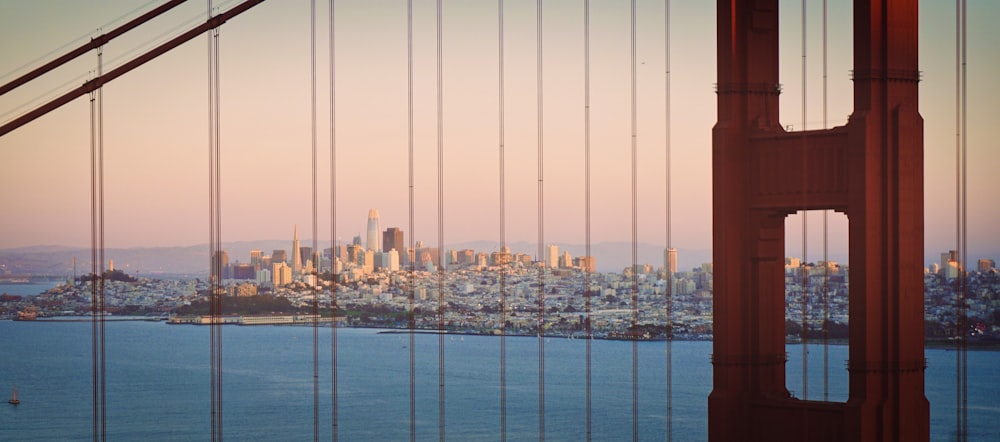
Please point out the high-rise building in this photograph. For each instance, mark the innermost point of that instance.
(392, 238)
(950, 255)
(393, 264)
(220, 264)
(306, 254)
(279, 256)
(367, 261)
(296, 258)
(243, 271)
(281, 274)
(552, 256)
(566, 260)
(354, 252)
(586, 263)
(986, 264)
(255, 256)
(670, 260)
(374, 227)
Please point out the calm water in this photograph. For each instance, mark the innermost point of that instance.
(157, 382)
(28, 289)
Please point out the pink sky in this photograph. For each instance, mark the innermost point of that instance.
(155, 122)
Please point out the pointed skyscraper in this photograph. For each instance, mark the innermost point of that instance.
(296, 259)
(374, 232)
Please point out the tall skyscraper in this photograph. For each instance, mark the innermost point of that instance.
(296, 258)
(255, 256)
(670, 260)
(552, 256)
(374, 227)
(948, 257)
(392, 238)
(306, 254)
(393, 264)
(278, 256)
(220, 264)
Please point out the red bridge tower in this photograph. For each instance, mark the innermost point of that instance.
(870, 169)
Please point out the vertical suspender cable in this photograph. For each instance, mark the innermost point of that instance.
(586, 217)
(412, 279)
(961, 363)
(218, 228)
(965, 224)
(634, 332)
(334, 274)
(213, 253)
(100, 223)
(440, 223)
(826, 236)
(541, 224)
(315, 226)
(94, 272)
(97, 254)
(503, 240)
(215, 232)
(805, 225)
(669, 327)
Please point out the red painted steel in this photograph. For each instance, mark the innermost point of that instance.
(870, 169)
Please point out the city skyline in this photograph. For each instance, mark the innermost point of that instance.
(265, 130)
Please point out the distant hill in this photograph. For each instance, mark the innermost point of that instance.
(193, 260)
(54, 260)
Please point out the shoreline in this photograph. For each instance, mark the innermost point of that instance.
(975, 344)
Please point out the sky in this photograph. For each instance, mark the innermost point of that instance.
(156, 122)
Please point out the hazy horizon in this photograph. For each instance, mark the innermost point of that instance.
(155, 123)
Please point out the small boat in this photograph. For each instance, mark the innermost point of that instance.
(13, 397)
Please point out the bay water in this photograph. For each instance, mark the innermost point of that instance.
(157, 385)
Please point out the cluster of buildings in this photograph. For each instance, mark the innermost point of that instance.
(381, 279)
(382, 250)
